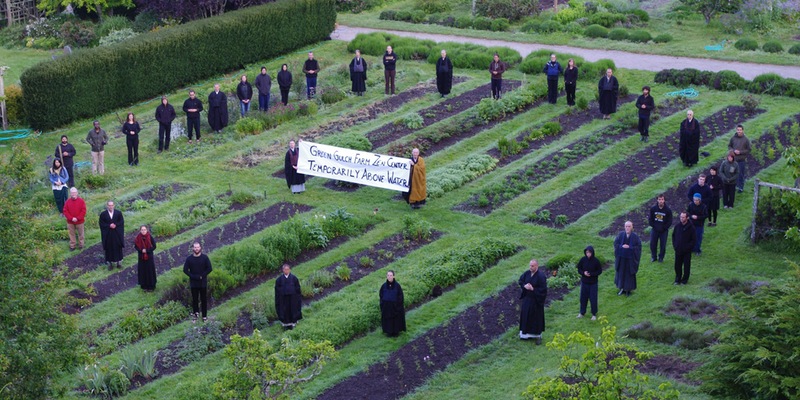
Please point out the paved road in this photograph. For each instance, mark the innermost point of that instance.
(647, 62)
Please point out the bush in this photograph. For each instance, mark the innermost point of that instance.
(342, 272)
(750, 102)
(464, 22)
(511, 9)
(248, 126)
(772, 46)
(746, 44)
(472, 56)
(663, 38)
(145, 21)
(795, 49)
(618, 34)
(418, 16)
(332, 94)
(482, 23)
(388, 15)
(595, 31)
(570, 14)
(433, 6)
(219, 282)
(500, 25)
(117, 36)
(352, 140)
(112, 23)
(415, 228)
(561, 260)
(403, 15)
(77, 33)
(582, 103)
(245, 262)
(90, 81)
(445, 180)
(14, 110)
(284, 243)
(640, 36)
(642, 15)
(549, 27)
(465, 261)
(412, 121)
(605, 19)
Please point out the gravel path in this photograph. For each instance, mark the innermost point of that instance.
(647, 62)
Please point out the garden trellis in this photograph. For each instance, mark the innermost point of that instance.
(755, 222)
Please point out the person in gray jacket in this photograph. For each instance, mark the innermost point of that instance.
(729, 172)
(740, 146)
(97, 138)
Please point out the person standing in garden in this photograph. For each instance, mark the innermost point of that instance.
(358, 74)
(296, 181)
(534, 293)
(684, 238)
(444, 74)
(97, 138)
(65, 152)
(131, 129)
(288, 298)
(553, 70)
(263, 85)
(571, 81)
(729, 172)
(660, 221)
(689, 144)
(700, 187)
(58, 182)
(609, 90)
(627, 254)
(740, 145)
(218, 109)
(165, 114)
(393, 313)
(197, 267)
(589, 268)
(496, 68)
(418, 185)
(145, 244)
(697, 212)
(715, 185)
(311, 69)
(75, 213)
(112, 233)
(244, 91)
(389, 69)
(645, 104)
(192, 107)
(284, 83)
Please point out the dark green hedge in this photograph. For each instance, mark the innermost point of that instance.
(97, 80)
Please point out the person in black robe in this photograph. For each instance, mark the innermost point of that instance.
(217, 109)
(145, 244)
(627, 253)
(393, 313)
(570, 81)
(358, 74)
(288, 298)
(689, 144)
(284, 83)
(609, 90)
(165, 114)
(65, 152)
(684, 238)
(589, 268)
(197, 267)
(112, 233)
(296, 181)
(534, 292)
(645, 104)
(444, 74)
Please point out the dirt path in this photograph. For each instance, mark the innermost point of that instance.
(647, 62)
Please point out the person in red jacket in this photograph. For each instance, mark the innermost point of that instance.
(75, 213)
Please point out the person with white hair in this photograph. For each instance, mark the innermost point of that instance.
(75, 213)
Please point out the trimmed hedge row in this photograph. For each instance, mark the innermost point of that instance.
(94, 81)
(772, 84)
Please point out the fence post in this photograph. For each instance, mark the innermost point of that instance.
(755, 210)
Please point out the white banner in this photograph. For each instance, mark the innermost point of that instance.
(354, 166)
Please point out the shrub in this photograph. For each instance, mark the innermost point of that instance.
(618, 34)
(14, 110)
(342, 272)
(750, 102)
(746, 44)
(219, 282)
(117, 36)
(248, 126)
(21, 167)
(511, 9)
(112, 23)
(138, 324)
(244, 262)
(433, 6)
(561, 260)
(145, 21)
(416, 228)
(795, 49)
(388, 15)
(352, 140)
(595, 31)
(482, 23)
(12, 36)
(445, 180)
(663, 38)
(464, 22)
(582, 103)
(77, 33)
(490, 109)
(642, 15)
(728, 81)
(570, 14)
(640, 36)
(285, 243)
(90, 82)
(403, 15)
(332, 94)
(412, 121)
(464, 261)
(605, 19)
(418, 16)
(500, 25)
(769, 83)
(549, 27)
(772, 46)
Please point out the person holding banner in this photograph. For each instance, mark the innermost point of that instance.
(417, 187)
(296, 181)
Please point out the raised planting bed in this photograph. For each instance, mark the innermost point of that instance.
(694, 309)
(571, 206)
(671, 367)
(167, 259)
(763, 155)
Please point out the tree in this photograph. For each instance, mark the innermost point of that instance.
(260, 372)
(98, 6)
(709, 8)
(597, 368)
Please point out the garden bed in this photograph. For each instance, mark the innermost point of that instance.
(676, 196)
(571, 206)
(671, 367)
(694, 309)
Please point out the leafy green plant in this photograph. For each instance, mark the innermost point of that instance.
(331, 94)
(772, 46)
(663, 38)
(366, 262)
(135, 363)
(244, 262)
(138, 324)
(544, 216)
(595, 31)
(342, 272)
(750, 102)
(412, 121)
(416, 228)
(640, 36)
(248, 126)
(285, 243)
(618, 34)
(465, 260)
(795, 49)
(746, 44)
(582, 103)
(561, 220)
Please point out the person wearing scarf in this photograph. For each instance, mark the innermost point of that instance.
(59, 178)
(145, 244)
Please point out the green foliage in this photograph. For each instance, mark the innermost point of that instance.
(642, 15)
(199, 341)
(582, 103)
(331, 94)
(14, 110)
(465, 261)
(663, 38)
(374, 44)
(245, 262)
(315, 282)
(795, 49)
(111, 24)
(433, 6)
(567, 277)
(78, 33)
(413, 121)
(145, 21)
(746, 44)
(482, 23)
(618, 34)
(219, 282)
(284, 243)
(561, 260)
(500, 25)
(141, 364)
(772, 46)
(248, 126)
(750, 102)
(710, 8)
(258, 371)
(351, 140)
(490, 109)
(444, 180)
(597, 368)
(511, 9)
(595, 31)
(117, 37)
(416, 228)
(606, 19)
(640, 36)
(138, 324)
(688, 339)
(473, 56)
(570, 14)
(342, 272)
(90, 80)
(92, 181)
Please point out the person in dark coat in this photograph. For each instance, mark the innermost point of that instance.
(729, 172)
(217, 109)
(311, 69)
(244, 91)
(571, 81)
(684, 238)
(296, 181)
(393, 313)
(589, 268)
(165, 114)
(534, 293)
(715, 185)
(112, 233)
(645, 104)
(193, 107)
(496, 68)
(131, 129)
(358, 74)
(698, 212)
(689, 142)
(284, 83)
(65, 152)
(740, 146)
(288, 298)
(660, 221)
(389, 68)
(627, 254)
(608, 86)
(444, 74)
(263, 85)
(700, 187)
(145, 244)
(197, 267)
(553, 70)
(58, 180)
